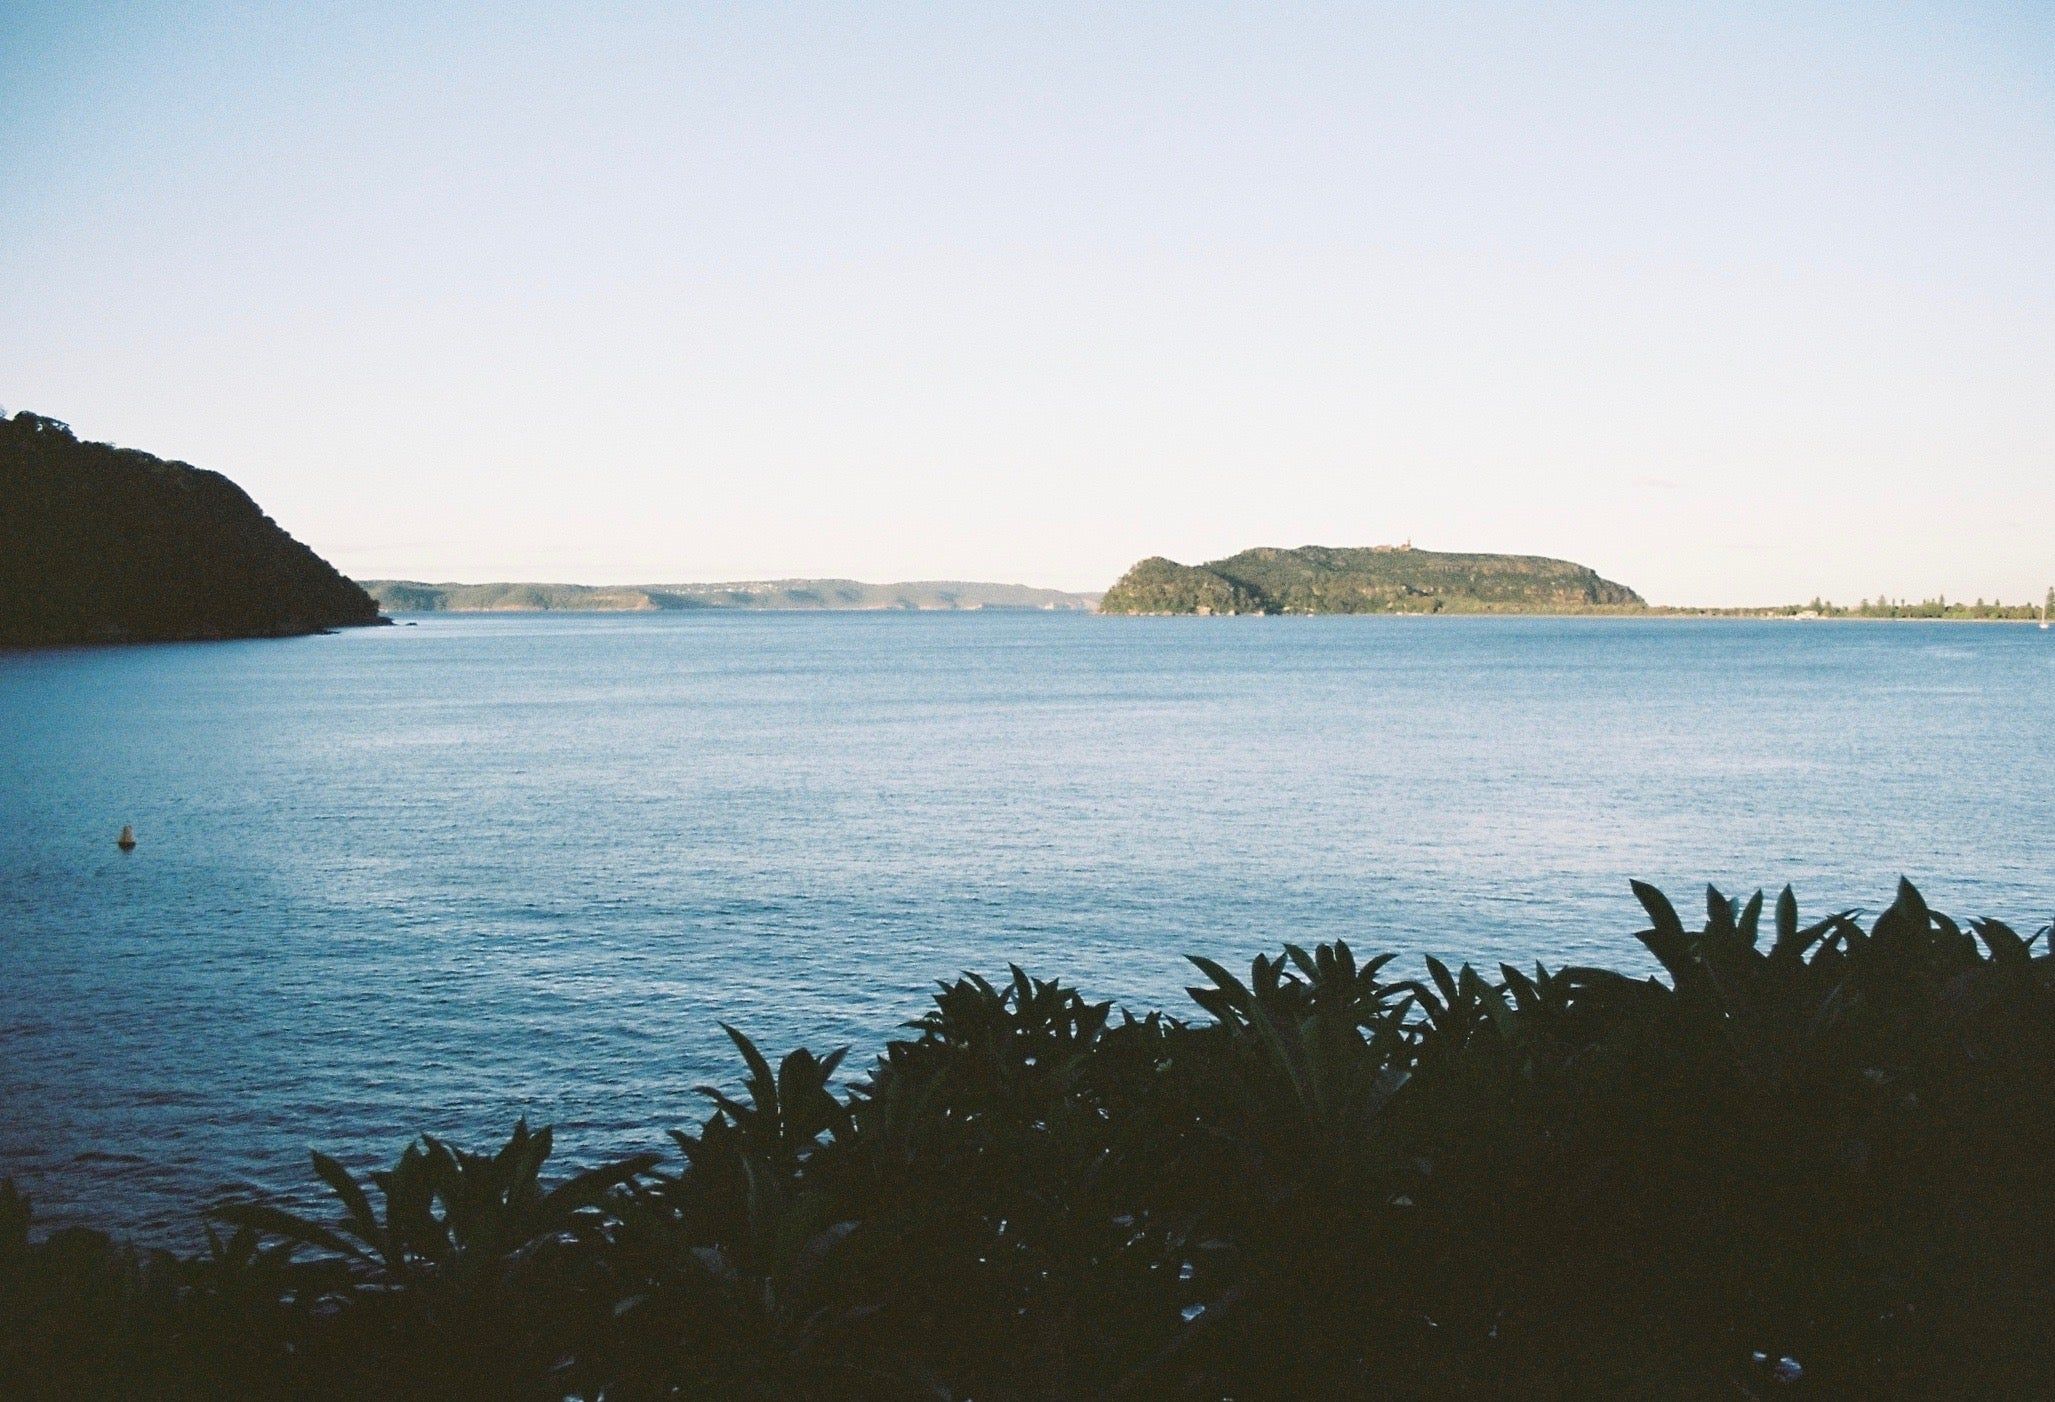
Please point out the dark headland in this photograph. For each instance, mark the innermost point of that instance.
(100, 544)
(1379, 579)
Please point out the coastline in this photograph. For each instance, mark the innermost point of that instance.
(1679, 614)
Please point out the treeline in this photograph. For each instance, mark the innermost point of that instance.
(1882, 607)
(1938, 607)
(1809, 1159)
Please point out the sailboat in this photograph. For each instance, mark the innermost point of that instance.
(127, 841)
(2046, 605)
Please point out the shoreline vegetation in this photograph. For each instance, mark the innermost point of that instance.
(1940, 609)
(1807, 1159)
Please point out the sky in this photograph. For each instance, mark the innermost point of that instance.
(1736, 303)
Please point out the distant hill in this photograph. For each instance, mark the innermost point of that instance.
(408, 596)
(105, 544)
(1380, 579)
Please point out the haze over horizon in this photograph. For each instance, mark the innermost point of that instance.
(1735, 306)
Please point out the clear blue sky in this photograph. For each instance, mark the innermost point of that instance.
(1736, 303)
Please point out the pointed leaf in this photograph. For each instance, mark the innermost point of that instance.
(355, 1204)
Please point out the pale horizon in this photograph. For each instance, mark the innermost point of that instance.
(1734, 306)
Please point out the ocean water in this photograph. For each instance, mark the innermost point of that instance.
(438, 877)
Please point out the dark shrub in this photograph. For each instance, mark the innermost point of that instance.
(1810, 1160)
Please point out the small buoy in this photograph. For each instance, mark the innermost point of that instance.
(127, 841)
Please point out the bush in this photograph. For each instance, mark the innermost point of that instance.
(1811, 1160)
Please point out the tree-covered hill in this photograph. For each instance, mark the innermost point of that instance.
(1381, 579)
(105, 544)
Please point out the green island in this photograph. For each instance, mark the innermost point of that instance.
(1376, 579)
(1801, 1158)
(100, 544)
(1400, 579)
(410, 596)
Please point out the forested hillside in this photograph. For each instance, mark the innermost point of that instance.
(1380, 579)
(106, 544)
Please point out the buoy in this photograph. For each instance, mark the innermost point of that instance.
(127, 841)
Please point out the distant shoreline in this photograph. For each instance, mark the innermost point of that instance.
(531, 612)
(1657, 614)
(755, 596)
(1381, 582)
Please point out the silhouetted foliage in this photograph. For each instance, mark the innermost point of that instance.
(1809, 1160)
(104, 544)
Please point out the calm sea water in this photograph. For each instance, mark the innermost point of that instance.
(441, 876)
